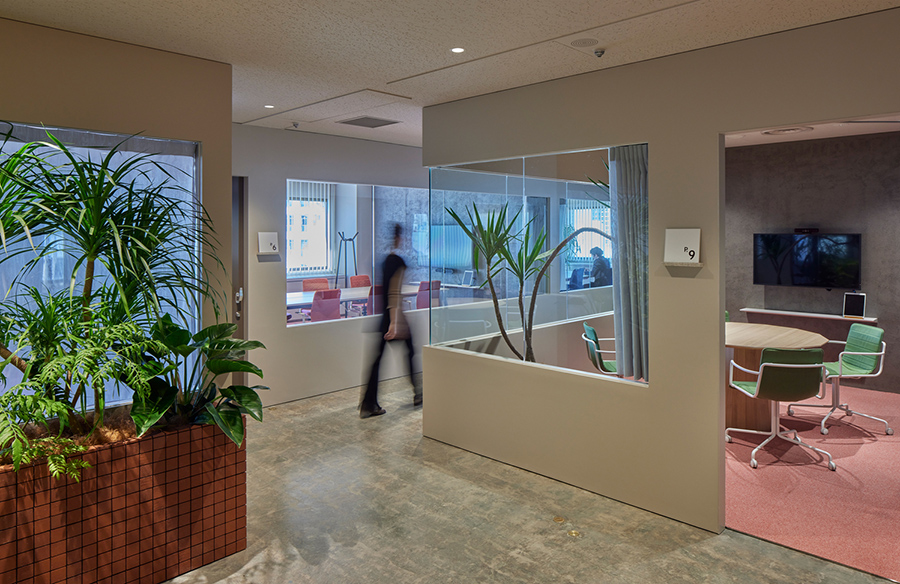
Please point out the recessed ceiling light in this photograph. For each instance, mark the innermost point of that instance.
(269, 106)
(457, 50)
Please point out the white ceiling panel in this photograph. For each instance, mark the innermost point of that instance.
(322, 59)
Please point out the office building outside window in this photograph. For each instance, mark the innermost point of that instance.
(310, 218)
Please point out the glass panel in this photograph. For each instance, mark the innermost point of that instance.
(564, 199)
(355, 242)
(479, 191)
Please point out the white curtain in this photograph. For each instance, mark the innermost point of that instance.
(629, 201)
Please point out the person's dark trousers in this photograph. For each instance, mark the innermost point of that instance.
(370, 399)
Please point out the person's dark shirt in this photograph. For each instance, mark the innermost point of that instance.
(601, 272)
(392, 264)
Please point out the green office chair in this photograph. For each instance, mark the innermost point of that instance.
(863, 356)
(784, 375)
(596, 354)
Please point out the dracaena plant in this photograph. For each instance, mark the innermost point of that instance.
(518, 252)
(185, 374)
(106, 212)
(133, 242)
(491, 237)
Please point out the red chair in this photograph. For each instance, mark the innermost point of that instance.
(359, 308)
(360, 281)
(326, 306)
(313, 284)
(429, 294)
(375, 305)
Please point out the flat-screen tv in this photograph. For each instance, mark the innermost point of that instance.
(823, 260)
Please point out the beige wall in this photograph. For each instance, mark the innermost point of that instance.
(680, 106)
(64, 79)
(312, 359)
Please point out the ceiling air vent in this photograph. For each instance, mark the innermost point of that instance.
(584, 43)
(785, 131)
(368, 122)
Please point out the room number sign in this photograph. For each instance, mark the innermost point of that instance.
(682, 246)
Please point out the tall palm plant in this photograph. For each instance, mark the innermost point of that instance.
(494, 238)
(523, 264)
(491, 238)
(145, 233)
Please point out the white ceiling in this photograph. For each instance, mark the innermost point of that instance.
(320, 62)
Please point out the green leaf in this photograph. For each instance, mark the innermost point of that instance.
(229, 419)
(231, 344)
(215, 332)
(222, 366)
(246, 398)
(147, 411)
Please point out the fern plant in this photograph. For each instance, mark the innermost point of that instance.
(17, 409)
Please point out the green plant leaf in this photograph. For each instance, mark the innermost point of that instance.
(229, 419)
(214, 332)
(146, 411)
(222, 366)
(245, 398)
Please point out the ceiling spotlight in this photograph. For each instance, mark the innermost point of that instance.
(457, 50)
(269, 106)
(599, 52)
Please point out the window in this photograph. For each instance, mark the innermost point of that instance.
(310, 215)
(580, 213)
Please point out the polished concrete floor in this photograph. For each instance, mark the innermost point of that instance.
(333, 498)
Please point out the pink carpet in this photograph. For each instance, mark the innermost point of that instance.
(850, 516)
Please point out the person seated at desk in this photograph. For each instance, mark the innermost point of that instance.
(601, 270)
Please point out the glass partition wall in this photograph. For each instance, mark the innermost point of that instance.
(555, 218)
(338, 236)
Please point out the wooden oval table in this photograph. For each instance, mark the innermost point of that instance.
(748, 340)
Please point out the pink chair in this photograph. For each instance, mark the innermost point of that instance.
(429, 294)
(313, 284)
(326, 305)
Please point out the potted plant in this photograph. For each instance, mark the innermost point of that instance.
(131, 242)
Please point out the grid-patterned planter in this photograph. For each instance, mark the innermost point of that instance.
(146, 511)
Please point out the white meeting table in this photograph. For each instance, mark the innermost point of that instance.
(305, 299)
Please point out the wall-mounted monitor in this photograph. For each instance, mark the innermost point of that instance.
(823, 260)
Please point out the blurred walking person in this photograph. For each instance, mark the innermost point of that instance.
(393, 328)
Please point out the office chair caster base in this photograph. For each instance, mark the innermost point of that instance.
(728, 439)
(790, 412)
(753, 464)
(832, 466)
(889, 431)
(824, 431)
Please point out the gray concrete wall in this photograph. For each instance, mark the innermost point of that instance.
(839, 185)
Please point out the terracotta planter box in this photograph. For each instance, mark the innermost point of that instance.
(146, 511)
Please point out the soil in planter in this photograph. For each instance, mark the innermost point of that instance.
(117, 427)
